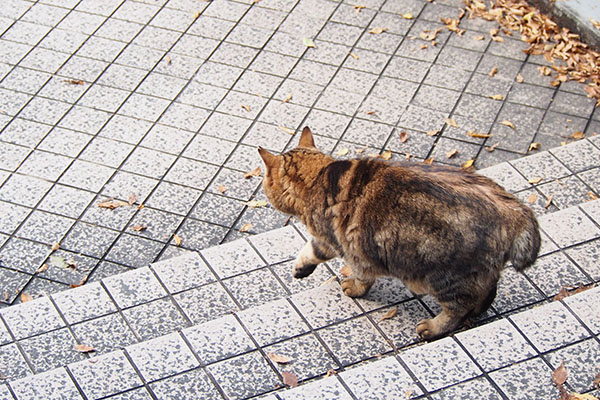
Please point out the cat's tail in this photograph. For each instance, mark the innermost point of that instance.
(526, 246)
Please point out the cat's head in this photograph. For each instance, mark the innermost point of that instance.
(289, 176)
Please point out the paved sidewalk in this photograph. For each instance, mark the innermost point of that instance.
(167, 101)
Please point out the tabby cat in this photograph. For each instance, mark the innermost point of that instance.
(441, 230)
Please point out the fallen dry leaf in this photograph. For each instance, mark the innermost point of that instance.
(289, 379)
(377, 30)
(141, 206)
(548, 202)
(359, 7)
(222, 189)
(42, 268)
(287, 130)
(592, 196)
(177, 239)
(559, 375)
(287, 98)
(532, 198)
(354, 56)
(403, 136)
(81, 282)
(433, 132)
(139, 227)
(132, 199)
(386, 155)
(597, 381)
(423, 46)
(493, 72)
(478, 135)
(346, 271)
(578, 135)
(492, 147)
(468, 164)
(279, 359)
(308, 42)
(254, 172)
(407, 16)
(55, 247)
(256, 203)
(342, 152)
(480, 37)
(247, 108)
(60, 262)
(83, 348)
(112, 204)
(429, 161)
(371, 112)
(579, 396)
(520, 78)
(451, 122)
(331, 372)
(197, 15)
(507, 123)
(497, 97)
(535, 180)
(75, 81)
(571, 290)
(534, 146)
(246, 228)
(390, 314)
(451, 153)
(168, 60)
(25, 297)
(328, 281)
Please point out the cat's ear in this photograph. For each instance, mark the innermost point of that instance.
(267, 157)
(306, 139)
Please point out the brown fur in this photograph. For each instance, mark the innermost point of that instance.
(441, 230)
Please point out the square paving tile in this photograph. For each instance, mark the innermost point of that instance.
(255, 288)
(154, 319)
(13, 365)
(134, 287)
(205, 303)
(569, 227)
(328, 388)
(104, 334)
(183, 273)
(401, 329)
(51, 350)
(583, 306)
(585, 256)
(526, 379)
(187, 386)
(576, 358)
(51, 385)
(552, 272)
(481, 386)
(32, 318)
(232, 258)
(85, 302)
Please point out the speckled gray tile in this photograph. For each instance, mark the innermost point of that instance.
(205, 303)
(5, 336)
(4, 393)
(552, 272)
(13, 365)
(254, 288)
(506, 176)
(383, 379)
(104, 334)
(328, 388)
(583, 304)
(134, 287)
(540, 325)
(578, 156)
(569, 227)
(51, 350)
(162, 357)
(51, 385)
(187, 386)
(84, 302)
(135, 394)
(586, 256)
(567, 192)
(295, 285)
(576, 358)
(32, 318)
(232, 258)
(481, 386)
(400, 329)
(218, 339)
(523, 380)
(278, 245)
(156, 318)
(182, 273)
(105, 375)
(434, 368)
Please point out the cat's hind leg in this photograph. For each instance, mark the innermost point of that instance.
(312, 254)
(358, 284)
(449, 319)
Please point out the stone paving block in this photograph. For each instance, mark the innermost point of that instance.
(481, 386)
(156, 318)
(400, 329)
(578, 156)
(182, 273)
(135, 394)
(51, 385)
(566, 192)
(496, 345)
(104, 334)
(585, 256)
(258, 377)
(4, 393)
(254, 288)
(583, 305)
(385, 292)
(51, 350)
(434, 369)
(506, 176)
(85, 302)
(382, 379)
(162, 357)
(24, 190)
(134, 287)
(13, 365)
(576, 358)
(540, 325)
(523, 380)
(552, 272)
(55, 201)
(189, 385)
(569, 227)
(218, 339)
(205, 303)
(321, 389)
(5, 336)
(32, 318)
(232, 258)
(108, 374)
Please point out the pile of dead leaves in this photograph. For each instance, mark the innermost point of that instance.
(559, 377)
(576, 60)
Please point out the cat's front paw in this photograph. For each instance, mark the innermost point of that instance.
(352, 287)
(303, 270)
(428, 330)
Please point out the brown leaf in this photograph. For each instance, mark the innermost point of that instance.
(561, 294)
(451, 153)
(197, 15)
(112, 204)
(592, 196)
(168, 60)
(346, 271)
(451, 122)
(597, 381)
(578, 135)
(287, 130)
(289, 379)
(42, 268)
(359, 7)
(386, 155)
(139, 227)
(423, 47)
(222, 189)
(83, 348)
(75, 81)
(256, 203)
(535, 180)
(279, 359)
(429, 161)
(247, 108)
(492, 147)
(569, 291)
(55, 247)
(433, 132)
(287, 98)
(403, 136)
(390, 314)
(81, 283)
(254, 172)
(478, 135)
(532, 198)
(493, 72)
(177, 239)
(497, 97)
(246, 228)
(25, 297)
(354, 56)
(132, 199)
(507, 123)
(141, 206)
(559, 375)
(520, 78)
(378, 30)
(331, 372)
(480, 37)
(534, 146)
(468, 164)
(548, 202)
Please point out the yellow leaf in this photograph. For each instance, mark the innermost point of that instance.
(354, 56)
(386, 155)
(429, 161)
(41, 269)
(377, 30)
(177, 239)
(592, 196)
(279, 359)
(578, 135)
(535, 180)
(346, 271)
(433, 132)
(497, 97)
(287, 130)
(247, 108)
(308, 42)
(407, 16)
(287, 98)
(451, 153)
(25, 297)
(534, 146)
(532, 198)
(222, 189)
(250, 174)
(246, 227)
(55, 247)
(507, 123)
(493, 72)
(83, 348)
(468, 164)
(478, 135)
(342, 152)
(451, 122)
(585, 396)
(256, 203)
(359, 7)
(520, 78)
(112, 204)
(390, 314)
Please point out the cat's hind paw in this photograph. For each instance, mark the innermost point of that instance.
(352, 287)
